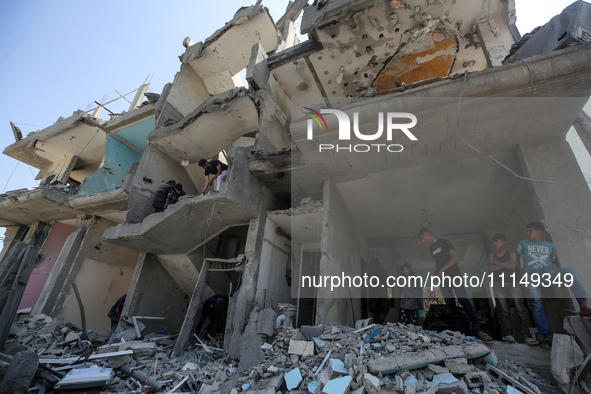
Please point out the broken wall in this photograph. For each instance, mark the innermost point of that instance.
(153, 292)
(102, 272)
(155, 168)
(113, 169)
(59, 273)
(181, 97)
(50, 251)
(342, 249)
(272, 287)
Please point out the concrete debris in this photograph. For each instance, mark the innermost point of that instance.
(20, 373)
(293, 378)
(566, 357)
(317, 359)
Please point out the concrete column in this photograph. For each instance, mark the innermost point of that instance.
(244, 298)
(139, 97)
(187, 327)
(564, 207)
(136, 289)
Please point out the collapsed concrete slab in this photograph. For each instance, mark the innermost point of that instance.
(47, 204)
(199, 218)
(199, 135)
(58, 150)
(219, 59)
(421, 359)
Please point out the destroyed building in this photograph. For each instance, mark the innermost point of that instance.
(287, 206)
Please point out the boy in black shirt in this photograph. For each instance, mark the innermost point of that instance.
(446, 260)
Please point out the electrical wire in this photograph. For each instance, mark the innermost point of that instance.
(476, 149)
(10, 177)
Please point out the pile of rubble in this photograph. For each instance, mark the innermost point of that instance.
(388, 358)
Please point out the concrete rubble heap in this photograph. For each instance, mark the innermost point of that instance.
(390, 358)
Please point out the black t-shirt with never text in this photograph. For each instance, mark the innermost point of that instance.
(213, 170)
(440, 253)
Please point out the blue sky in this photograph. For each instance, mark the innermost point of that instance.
(60, 56)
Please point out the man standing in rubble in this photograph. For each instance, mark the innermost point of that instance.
(539, 264)
(215, 309)
(161, 194)
(217, 170)
(503, 264)
(446, 261)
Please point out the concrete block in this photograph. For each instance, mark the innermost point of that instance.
(273, 369)
(72, 336)
(48, 329)
(324, 376)
(444, 378)
(20, 373)
(420, 359)
(410, 388)
(301, 348)
(337, 367)
(293, 378)
(22, 333)
(140, 349)
(338, 386)
(413, 336)
(319, 342)
(433, 389)
(458, 387)
(428, 372)
(314, 386)
(190, 366)
(273, 384)
(266, 321)
(407, 378)
(458, 366)
(566, 356)
(310, 332)
(371, 384)
(476, 380)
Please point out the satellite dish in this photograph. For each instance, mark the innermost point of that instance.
(184, 162)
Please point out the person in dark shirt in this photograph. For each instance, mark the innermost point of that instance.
(161, 195)
(446, 260)
(175, 194)
(217, 170)
(115, 312)
(503, 264)
(214, 308)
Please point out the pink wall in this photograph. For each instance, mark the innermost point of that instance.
(51, 249)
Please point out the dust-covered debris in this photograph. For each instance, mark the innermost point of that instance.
(391, 358)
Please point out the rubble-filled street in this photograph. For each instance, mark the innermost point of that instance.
(390, 358)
